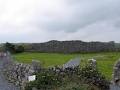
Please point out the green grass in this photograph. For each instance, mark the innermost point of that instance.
(105, 61)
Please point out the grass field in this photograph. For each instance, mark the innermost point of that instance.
(105, 61)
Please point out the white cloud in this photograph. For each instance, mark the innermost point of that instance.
(42, 20)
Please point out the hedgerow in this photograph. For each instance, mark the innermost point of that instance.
(56, 78)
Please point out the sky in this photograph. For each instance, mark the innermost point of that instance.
(44, 20)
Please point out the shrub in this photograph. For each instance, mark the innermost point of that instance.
(93, 77)
(46, 80)
(19, 49)
(9, 47)
(59, 79)
(74, 86)
(13, 48)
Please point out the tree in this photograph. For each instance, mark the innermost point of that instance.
(9, 47)
(19, 49)
(13, 48)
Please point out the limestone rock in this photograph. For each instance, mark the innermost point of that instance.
(116, 73)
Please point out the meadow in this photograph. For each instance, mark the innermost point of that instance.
(105, 61)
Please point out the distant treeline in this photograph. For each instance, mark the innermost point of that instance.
(12, 48)
(72, 47)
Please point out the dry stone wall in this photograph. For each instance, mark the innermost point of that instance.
(18, 73)
(116, 73)
(71, 47)
(115, 85)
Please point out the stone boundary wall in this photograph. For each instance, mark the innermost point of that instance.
(18, 73)
(71, 47)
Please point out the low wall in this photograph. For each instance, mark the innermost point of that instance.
(18, 73)
(71, 47)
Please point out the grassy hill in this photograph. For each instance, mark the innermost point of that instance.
(105, 61)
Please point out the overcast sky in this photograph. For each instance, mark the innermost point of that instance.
(43, 20)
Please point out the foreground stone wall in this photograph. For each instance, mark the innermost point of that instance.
(115, 85)
(18, 73)
(71, 46)
(116, 73)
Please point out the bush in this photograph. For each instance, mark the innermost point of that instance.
(93, 77)
(13, 48)
(9, 47)
(74, 86)
(46, 80)
(19, 49)
(59, 79)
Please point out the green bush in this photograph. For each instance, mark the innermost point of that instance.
(46, 80)
(74, 86)
(93, 77)
(59, 79)
(13, 48)
(19, 49)
(9, 47)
